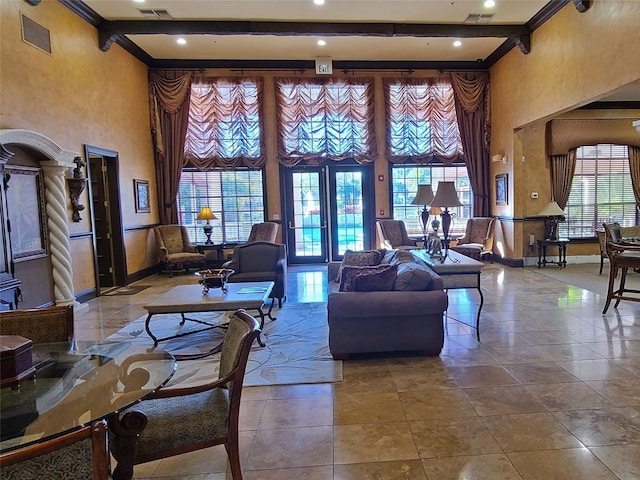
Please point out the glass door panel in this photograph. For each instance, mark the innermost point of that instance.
(347, 211)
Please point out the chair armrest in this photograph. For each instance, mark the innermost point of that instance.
(232, 264)
(190, 249)
(463, 239)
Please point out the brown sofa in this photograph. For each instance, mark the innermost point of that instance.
(408, 318)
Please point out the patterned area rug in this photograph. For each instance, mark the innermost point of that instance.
(296, 346)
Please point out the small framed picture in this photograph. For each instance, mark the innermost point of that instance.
(141, 190)
(502, 189)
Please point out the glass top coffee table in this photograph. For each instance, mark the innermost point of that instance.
(190, 299)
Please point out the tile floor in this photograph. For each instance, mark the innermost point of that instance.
(552, 391)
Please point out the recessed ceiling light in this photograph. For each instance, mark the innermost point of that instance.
(321, 43)
(318, 2)
(138, 1)
(489, 3)
(457, 43)
(181, 41)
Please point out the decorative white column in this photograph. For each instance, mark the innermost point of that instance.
(56, 205)
(60, 162)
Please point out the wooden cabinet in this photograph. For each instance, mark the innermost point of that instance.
(9, 285)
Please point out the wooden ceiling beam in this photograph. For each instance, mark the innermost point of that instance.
(114, 30)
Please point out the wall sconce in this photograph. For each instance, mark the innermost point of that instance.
(76, 187)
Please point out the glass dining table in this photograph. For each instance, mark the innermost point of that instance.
(77, 384)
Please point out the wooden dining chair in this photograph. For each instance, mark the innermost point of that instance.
(79, 455)
(179, 420)
(621, 258)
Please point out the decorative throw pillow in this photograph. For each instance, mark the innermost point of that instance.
(381, 280)
(359, 258)
(412, 277)
(350, 272)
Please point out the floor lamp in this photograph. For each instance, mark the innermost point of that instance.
(446, 196)
(424, 197)
(207, 214)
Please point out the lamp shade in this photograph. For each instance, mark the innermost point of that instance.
(206, 214)
(552, 209)
(446, 195)
(424, 196)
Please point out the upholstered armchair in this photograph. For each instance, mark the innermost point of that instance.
(40, 325)
(478, 238)
(175, 249)
(79, 455)
(261, 262)
(180, 420)
(392, 235)
(264, 232)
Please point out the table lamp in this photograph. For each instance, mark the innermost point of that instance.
(207, 214)
(553, 212)
(446, 196)
(423, 197)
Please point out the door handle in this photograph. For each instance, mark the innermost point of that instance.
(292, 227)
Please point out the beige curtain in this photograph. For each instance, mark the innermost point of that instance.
(634, 167)
(225, 128)
(562, 169)
(169, 99)
(420, 119)
(471, 93)
(325, 119)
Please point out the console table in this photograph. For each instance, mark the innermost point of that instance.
(561, 243)
(457, 271)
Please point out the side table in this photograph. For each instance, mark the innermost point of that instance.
(561, 243)
(212, 247)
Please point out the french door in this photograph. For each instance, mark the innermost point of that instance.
(327, 210)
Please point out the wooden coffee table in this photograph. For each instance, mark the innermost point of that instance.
(189, 299)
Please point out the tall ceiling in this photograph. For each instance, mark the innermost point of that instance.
(359, 34)
(356, 31)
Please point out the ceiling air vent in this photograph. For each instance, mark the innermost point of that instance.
(35, 34)
(479, 18)
(155, 13)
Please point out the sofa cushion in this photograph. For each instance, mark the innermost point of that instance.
(381, 280)
(359, 258)
(350, 272)
(413, 277)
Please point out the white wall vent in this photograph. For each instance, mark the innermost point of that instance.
(35, 34)
(479, 18)
(155, 13)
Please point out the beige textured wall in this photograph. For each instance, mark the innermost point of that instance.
(80, 95)
(575, 58)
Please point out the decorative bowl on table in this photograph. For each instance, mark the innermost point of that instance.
(214, 278)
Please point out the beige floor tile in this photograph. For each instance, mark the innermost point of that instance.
(548, 337)
(616, 347)
(367, 408)
(623, 460)
(605, 426)
(398, 470)
(208, 460)
(291, 447)
(494, 467)
(530, 431)
(503, 400)
(546, 372)
(453, 437)
(568, 396)
(250, 414)
(598, 369)
(365, 382)
(376, 442)
(567, 464)
(482, 376)
(421, 376)
(324, 472)
(464, 357)
(425, 405)
(301, 391)
(297, 412)
(622, 393)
